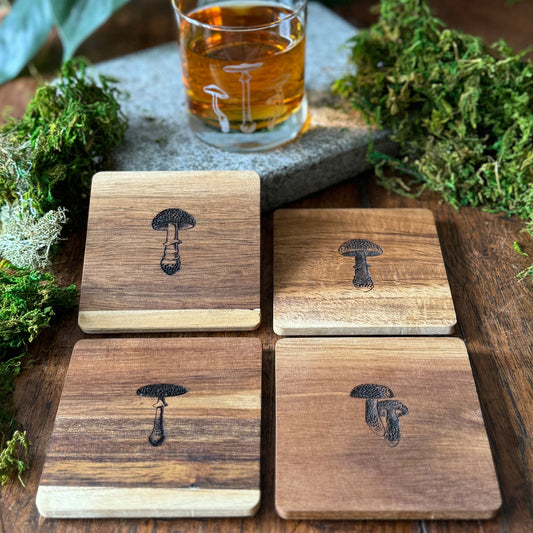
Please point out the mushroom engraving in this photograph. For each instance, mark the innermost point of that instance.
(172, 221)
(392, 410)
(216, 94)
(160, 391)
(244, 69)
(379, 407)
(361, 249)
(277, 100)
(372, 393)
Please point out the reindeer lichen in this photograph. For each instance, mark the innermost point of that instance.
(28, 238)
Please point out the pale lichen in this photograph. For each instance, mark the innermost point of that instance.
(27, 239)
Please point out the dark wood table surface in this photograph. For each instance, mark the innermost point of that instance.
(494, 310)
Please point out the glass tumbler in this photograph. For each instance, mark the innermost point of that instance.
(243, 71)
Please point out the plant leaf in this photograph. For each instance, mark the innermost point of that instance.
(77, 19)
(22, 33)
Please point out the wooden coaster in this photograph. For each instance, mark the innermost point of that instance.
(172, 251)
(323, 283)
(380, 428)
(164, 427)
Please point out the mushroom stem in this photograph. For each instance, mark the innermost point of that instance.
(248, 125)
(372, 418)
(276, 100)
(362, 278)
(170, 262)
(244, 69)
(222, 118)
(392, 410)
(157, 437)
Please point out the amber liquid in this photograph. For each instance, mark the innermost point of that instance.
(243, 79)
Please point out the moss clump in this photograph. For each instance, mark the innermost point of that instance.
(460, 111)
(13, 456)
(65, 136)
(28, 301)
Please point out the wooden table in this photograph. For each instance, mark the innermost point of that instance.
(494, 311)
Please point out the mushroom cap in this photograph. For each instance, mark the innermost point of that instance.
(351, 247)
(161, 390)
(177, 217)
(243, 67)
(216, 90)
(396, 406)
(371, 391)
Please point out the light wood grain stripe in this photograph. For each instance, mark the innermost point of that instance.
(169, 320)
(97, 502)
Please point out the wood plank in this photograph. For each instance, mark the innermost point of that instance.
(204, 277)
(380, 428)
(108, 447)
(315, 289)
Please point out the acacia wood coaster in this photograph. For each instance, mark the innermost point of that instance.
(380, 428)
(359, 272)
(172, 251)
(164, 427)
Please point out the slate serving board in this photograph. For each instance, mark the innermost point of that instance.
(100, 461)
(425, 456)
(124, 286)
(158, 138)
(314, 291)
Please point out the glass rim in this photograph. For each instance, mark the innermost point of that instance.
(216, 27)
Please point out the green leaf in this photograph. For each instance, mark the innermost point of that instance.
(77, 19)
(22, 33)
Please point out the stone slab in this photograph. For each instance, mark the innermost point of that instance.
(333, 149)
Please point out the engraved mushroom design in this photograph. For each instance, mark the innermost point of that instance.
(216, 94)
(161, 391)
(360, 249)
(244, 69)
(172, 221)
(372, 393)
(392, 410)
(379, 407)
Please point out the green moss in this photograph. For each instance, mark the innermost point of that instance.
(66, 135)
(460, 111)
(28, 301)
(13, 457)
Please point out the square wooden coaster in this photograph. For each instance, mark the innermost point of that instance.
(380, 428)
(164, 427)
(172, 251)
(359, 272)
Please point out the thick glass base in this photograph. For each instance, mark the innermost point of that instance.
(237, 141)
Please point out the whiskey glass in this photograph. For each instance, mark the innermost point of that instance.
(243, 66)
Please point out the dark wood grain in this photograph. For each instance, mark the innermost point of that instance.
(494, 311)
(100, 446)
